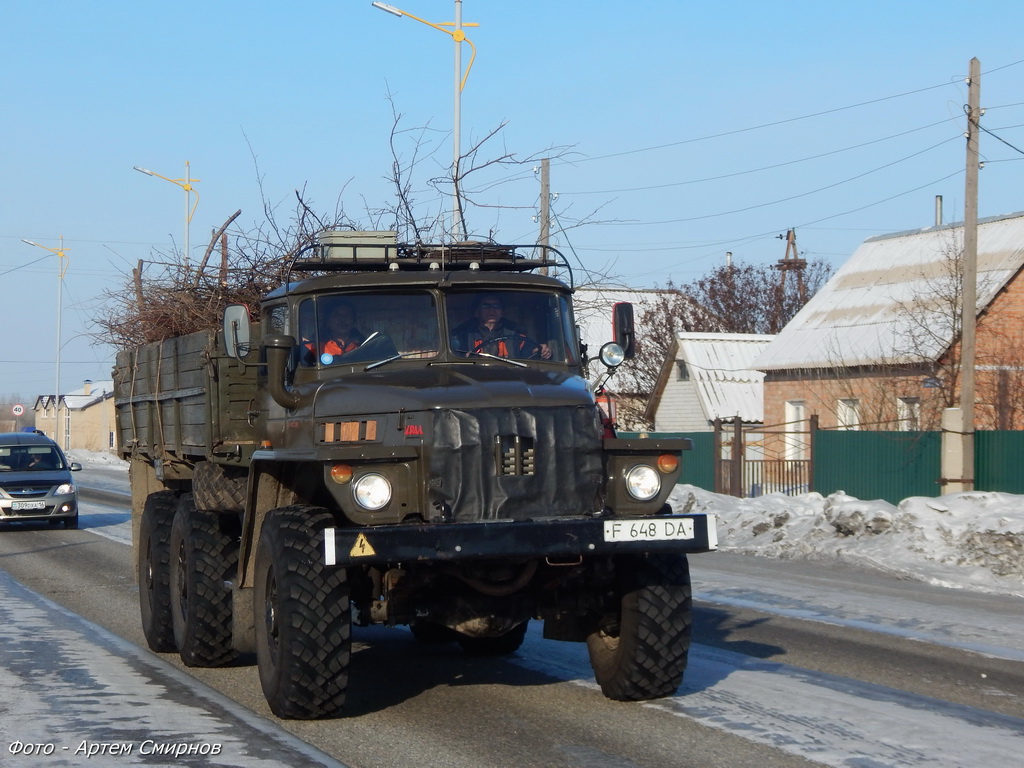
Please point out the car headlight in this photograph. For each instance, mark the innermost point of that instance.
(643, 482)
(372, 491)
(65, 489)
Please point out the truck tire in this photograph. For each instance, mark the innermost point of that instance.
(218, 490)
(154, 570)
(203, 559)
(502, 645)
(303, 618)
(641, 652)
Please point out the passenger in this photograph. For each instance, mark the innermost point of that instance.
(490, 332)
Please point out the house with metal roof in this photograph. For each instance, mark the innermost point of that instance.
(83, 418)
(878, 346)
(709, 376)
(634, 381)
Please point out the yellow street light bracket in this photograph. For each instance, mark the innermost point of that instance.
(457, 35)
(185, 184)
(61, 253)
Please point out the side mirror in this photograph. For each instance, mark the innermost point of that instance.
(236, 330)
(622, 325)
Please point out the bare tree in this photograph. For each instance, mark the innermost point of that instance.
(166, 296)
(932, 320)
(754, 299)
(729, 299)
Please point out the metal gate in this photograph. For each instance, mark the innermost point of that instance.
(756, 460)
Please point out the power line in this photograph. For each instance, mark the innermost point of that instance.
(986, 130)
(766, 125)
(762, 168)
(784, 199)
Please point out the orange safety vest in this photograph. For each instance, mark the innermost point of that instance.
(331, 347)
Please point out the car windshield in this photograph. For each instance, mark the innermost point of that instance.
(523, 325)
(29, 458)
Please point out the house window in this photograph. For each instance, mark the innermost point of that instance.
(682, 372)
(848, 413)
(796, 437)
(908, 413)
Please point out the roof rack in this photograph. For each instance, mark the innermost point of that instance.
(349, 251)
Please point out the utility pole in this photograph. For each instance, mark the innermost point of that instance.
(545, 209)
(792, 261)
(957, 470)
(969, 309)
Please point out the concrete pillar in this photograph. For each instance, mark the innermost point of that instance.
(957, 453)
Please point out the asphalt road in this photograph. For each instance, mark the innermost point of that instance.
(773, 680)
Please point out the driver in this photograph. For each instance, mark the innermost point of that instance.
(490, 332)
(342, 334)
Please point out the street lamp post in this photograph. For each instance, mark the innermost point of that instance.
(457, 34)
(61, 269)
(185, 184)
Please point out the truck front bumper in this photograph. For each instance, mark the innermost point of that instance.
(557, 538)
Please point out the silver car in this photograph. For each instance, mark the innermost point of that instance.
(35, 481)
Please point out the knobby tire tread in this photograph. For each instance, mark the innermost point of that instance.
(650, 656)
(304, 673)
(155, 600)
(204, 634)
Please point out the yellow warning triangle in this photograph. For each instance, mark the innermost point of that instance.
(362, 548)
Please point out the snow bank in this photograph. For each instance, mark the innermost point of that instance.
(972, 540)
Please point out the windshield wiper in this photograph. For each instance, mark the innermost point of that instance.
(391, 359)
(508, 360)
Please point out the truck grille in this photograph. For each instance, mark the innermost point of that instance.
(514, 455)
(516, 463)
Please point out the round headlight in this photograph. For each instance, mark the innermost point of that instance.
(612, 354)
(372, 491)
(643, 482)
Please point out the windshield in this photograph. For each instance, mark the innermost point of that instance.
(367, 327)
(523, 325)
(360, 327)
(29, 458)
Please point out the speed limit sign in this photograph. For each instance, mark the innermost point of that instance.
(18, 409)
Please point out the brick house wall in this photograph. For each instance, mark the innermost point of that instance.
(878, 391)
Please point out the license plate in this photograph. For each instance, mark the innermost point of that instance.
(22, 506)
(648, 530)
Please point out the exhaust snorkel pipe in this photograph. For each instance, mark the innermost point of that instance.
(279, 349)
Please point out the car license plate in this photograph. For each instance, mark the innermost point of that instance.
(658, 529)
(22, 506)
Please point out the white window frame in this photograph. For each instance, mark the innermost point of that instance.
(848, 413)
(908, 413)
(795, 440)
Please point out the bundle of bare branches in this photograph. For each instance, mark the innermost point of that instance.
(169, 296)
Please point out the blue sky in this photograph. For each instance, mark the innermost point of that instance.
(692, 130)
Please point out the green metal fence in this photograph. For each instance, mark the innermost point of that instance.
(999, 461)
(877, 465)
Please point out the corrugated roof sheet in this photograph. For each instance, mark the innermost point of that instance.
(860, 316)
(721, 365)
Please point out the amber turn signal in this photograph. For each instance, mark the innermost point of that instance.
(667, 463)
(341, 474)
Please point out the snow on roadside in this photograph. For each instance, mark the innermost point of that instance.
(972, 540)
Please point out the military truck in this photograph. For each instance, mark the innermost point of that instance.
(432, 470)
